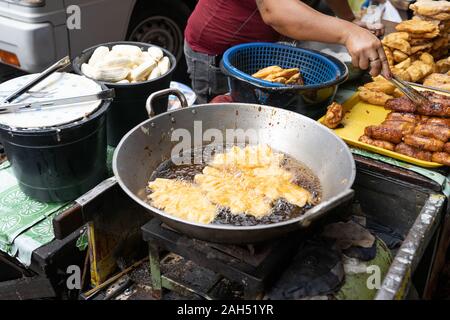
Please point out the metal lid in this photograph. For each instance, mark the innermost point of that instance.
(56, 86)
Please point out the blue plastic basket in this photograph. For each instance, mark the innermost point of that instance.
(243, 60)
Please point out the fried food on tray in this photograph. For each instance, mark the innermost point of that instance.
(404, 64)
(443, 65)
(377, 143)
(421, 47)
(374, 97)
(441, 157)
(399, 41)
(334, 115)
(380, 86)
(439, 10)
(418, 41)
(263, 73)
(413, 152)
(447, 147)
(280, 75)
(441, 133)
(389, 55)
(428, 35)
(404, 126)
(386, 133)
(402, 104)
(399, 116)
(437, 121)
(414, 26)
(423, 143)
(437, 80)
(438, 105)
(399, 56)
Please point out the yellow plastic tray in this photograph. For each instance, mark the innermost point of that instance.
(359, 115)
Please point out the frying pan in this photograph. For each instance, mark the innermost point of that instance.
(146, 146)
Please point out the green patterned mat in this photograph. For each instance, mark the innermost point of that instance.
(26, 224)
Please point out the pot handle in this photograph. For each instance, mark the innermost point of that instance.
(162, 93)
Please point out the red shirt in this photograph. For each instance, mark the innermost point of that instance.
(216, 25)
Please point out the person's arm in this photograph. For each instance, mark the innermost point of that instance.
(296, 20)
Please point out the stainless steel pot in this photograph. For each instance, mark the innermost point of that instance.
(147, 145)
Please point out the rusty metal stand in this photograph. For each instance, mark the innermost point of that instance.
(253, 267)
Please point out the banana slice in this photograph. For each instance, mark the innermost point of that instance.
(112, 74)
(156, 53)
(127, 50)
(164, 65)
(116, 62)
(123, 81)
(154, 74)
(143, 70)
(89, 71)
(98, 55)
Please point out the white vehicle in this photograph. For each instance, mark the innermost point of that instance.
(36, 33)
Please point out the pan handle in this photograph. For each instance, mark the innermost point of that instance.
(322, 208)
(163, 93)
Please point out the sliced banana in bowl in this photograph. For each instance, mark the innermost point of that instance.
(126, 64)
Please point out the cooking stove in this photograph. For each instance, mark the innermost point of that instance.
(253, 267)
(208, 270)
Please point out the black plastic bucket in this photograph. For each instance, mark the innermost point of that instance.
(59, 163)
(128, 108)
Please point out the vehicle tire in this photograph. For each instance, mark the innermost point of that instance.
(162, 23)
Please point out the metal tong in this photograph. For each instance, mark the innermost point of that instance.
(414, 95)
(38, 105)
(61, 64)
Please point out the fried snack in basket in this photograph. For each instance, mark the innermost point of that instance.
(416, 26)
(296, 79)
(261, 74)
(377, 143)
(413, 152)
(427, 58)
(399, 41)
(284, 73)
(373, 97)
(437, 80)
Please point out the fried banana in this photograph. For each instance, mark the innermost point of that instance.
(334, 115)
(433, 131)
(441, 157)
(377, 143)
(386, 133)
(413, 152)
(399, 116)
(374, 97)
(263, 73)
(423, 143)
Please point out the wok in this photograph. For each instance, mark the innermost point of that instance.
(147, 145)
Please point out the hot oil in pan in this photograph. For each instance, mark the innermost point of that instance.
(281, 211)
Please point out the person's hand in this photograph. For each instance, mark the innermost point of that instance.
(366, 51)
(376, 28)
